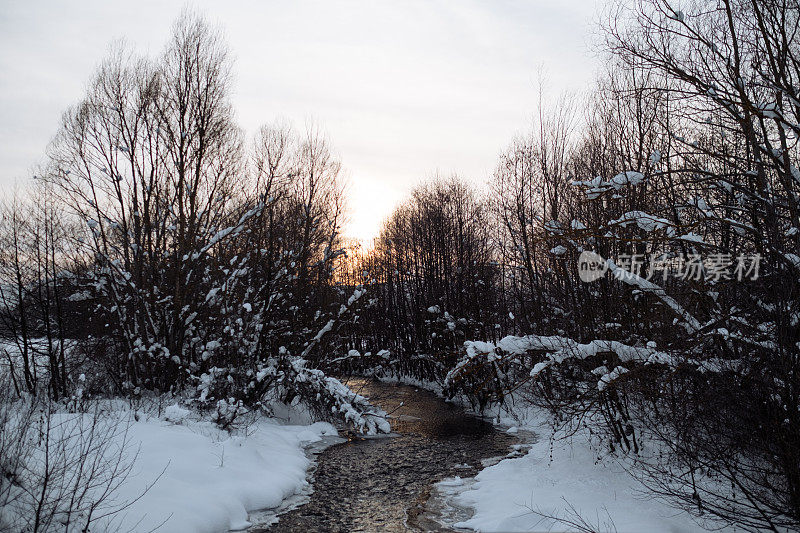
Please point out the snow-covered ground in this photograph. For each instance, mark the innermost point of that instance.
(154, 469)
(211, 481)
(561, 478)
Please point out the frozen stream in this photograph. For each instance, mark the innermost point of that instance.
(383, 484)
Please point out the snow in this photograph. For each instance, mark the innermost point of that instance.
(79, 296)
(626, 178)
(794, 259)
(353, 408)
(655, 157)
(690, 322)
(538, 367)
(405, 379)
(226, 232)
(577, 224)
(211, 480)
(692, 237)
(325, 329)
(645, 221)
(609, 378)
(452, 482)
(596, 186)
(178, 472)
(560, 349)
(175, 413)
(557, 474)
(556, 349)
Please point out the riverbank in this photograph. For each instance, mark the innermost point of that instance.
(555, 481)
(154, 467)
(563, 483)
(208, 481)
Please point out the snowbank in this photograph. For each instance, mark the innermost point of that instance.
(211, 481)
(560, 478)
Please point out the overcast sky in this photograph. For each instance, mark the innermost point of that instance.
(403, 89)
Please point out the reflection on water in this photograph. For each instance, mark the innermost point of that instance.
(381, 484)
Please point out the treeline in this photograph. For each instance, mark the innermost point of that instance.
(434, 257)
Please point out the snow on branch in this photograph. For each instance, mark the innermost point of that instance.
(231, 230)
(353, 408)
(597, 186)
(691, 324)
(328, 327)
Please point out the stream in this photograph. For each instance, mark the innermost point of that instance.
(384, 483)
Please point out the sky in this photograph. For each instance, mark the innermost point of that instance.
(404, 90)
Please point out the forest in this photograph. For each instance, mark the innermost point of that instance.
(160, 255)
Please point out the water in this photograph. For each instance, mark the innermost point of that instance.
(384, 483)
